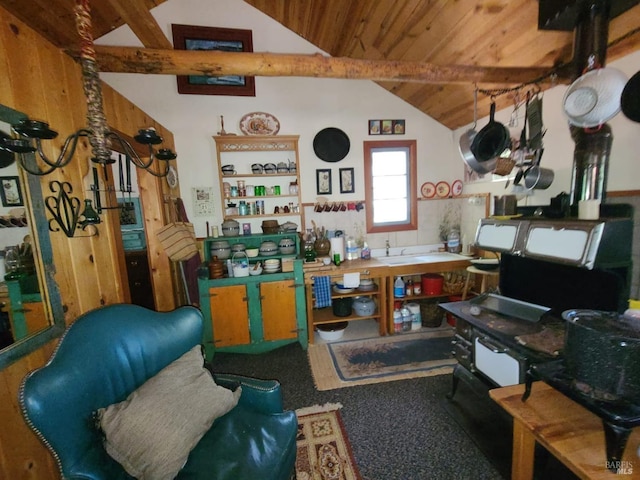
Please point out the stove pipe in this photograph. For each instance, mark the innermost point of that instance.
(593, 146)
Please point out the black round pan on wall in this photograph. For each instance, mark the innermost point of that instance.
(331, 144)
(630, 100)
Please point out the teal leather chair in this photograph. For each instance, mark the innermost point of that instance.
(108, 353)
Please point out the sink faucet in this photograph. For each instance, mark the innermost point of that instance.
(387, 246)
(402, 251)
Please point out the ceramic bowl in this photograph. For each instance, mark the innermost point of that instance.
(272, 262)
(332, 331)
(255, 271)
(252, 252)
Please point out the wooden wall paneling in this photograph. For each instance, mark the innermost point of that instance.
(46, 84)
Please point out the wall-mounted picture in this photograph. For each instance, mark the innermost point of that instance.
(346, 180)
(190, 37)
(11, 193)
(386, 127)
(323, 181)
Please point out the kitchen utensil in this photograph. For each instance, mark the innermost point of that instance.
(538, 177)
(6, 157)
(505, 205)
(594, 98)
(630, 99)
(230, 228)
(268, 248)
(465, 142)
(332, 331)
(331, 144)
(492, 140)
(364, 306)
(220, 249)
(602, 351)
(342, 306)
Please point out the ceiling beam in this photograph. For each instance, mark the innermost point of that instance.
(213, 62)
(140, 20)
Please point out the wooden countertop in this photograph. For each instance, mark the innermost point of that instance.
(376, 268)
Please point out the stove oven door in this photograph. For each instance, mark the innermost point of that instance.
(497, 362)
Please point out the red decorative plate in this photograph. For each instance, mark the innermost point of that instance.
(456, 188)
(443, 189)
(428, 190)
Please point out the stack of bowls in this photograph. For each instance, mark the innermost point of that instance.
(366, 285)
(268, 248)
(220, 249)
(287, 246)
(272, 265)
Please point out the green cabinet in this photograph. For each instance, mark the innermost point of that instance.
(254, 314)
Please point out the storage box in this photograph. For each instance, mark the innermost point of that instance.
(287, 264)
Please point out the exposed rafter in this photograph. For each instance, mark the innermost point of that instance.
(188, 62)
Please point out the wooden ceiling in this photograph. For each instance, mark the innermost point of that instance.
(443, 33)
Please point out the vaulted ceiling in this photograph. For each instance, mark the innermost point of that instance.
(451, 35)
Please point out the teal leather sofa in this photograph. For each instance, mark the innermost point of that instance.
(110, 352)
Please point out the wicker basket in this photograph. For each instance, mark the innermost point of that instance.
(430, 313)
(504, 166)
(454, 282)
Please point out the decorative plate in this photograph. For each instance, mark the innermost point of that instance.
(172, 177)
(428, 190)
(259, 123)
(443, 189)
(456, 188)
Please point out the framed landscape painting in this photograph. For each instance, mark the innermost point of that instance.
(190, 37)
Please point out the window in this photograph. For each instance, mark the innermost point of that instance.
(390, 185)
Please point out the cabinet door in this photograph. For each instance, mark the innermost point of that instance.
(278, 303)
(229, 315)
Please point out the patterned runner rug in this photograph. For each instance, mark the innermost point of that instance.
(382, 359)
(324, 451)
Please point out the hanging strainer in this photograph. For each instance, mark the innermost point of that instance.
(594, 98)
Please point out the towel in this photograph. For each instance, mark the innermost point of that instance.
(351, 280)
(322, 291)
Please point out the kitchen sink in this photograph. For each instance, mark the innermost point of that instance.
(434, 257)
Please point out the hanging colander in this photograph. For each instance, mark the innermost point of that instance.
(594, 98)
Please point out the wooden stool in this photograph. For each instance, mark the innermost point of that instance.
(485, 274)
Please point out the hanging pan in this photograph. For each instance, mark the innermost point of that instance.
(331, 144)
(6, 157)
(466, 140)
(594, 98)
(492, 140)
(630, 99)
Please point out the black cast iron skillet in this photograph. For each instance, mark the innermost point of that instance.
(6, 157)
(491, 141)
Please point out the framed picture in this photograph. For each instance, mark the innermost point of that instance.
(323, 181)
(346, 180)
(11, 192)
(386, 127)
(189, 37)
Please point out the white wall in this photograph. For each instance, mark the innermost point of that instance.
(304, 106)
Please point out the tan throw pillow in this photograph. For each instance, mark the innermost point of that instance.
(152, 432)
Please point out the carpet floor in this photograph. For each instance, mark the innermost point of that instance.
(398, 430)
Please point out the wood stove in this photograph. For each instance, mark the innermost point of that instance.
(547, 266)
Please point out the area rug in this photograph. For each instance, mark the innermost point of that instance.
(381, 359)
(324, 451)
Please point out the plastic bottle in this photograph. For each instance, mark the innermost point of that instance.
(398, 288)
(352, 252)
(453, 242)
(397, 321)
(229, 268)
(407, 318)
(365, 253)
(12, 263)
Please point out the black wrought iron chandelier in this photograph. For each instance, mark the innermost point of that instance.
(31, 133)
